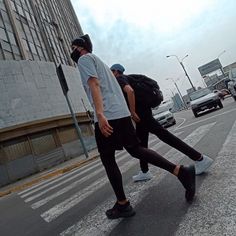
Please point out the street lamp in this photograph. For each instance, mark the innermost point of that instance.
(182, 65)
(185, 105)
(221, 53)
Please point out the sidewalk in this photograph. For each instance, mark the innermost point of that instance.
(47, 174)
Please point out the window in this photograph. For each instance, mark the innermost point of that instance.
(33, 49)
(3, 34)
(6, 46)
(8, 55)
(12, 38)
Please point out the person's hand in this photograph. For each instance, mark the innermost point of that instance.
(135, 117)
(104, 126)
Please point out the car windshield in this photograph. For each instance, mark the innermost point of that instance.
(160, 109)
(199, 93)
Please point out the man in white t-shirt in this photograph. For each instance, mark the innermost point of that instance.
(114, 129)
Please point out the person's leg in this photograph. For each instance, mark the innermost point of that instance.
(167, 137)
(202, 162)
(142, 133)
(186, 175)
(122, 207)
(113, 174)
(152, 157)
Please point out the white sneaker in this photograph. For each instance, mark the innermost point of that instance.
(203, 165)
(142, 176)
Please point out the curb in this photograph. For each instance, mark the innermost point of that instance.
(48, 176)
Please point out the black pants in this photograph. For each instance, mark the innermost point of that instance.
(124, 135)
(144, 154)
(149, 125)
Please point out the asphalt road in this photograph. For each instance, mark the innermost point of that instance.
(74, 203)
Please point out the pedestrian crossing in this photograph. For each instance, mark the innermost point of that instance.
(223, 199)
(92, 177)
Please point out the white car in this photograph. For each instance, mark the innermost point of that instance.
(204, 99)
(163, 115)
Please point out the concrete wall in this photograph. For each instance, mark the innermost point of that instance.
(31, 91)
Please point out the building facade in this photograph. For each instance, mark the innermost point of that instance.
(36, 128)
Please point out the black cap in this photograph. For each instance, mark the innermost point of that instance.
(83, 41)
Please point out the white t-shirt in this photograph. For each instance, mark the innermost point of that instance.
(114, 103)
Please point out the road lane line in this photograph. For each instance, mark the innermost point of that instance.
(209, 118)
(67, 188)
(53, 180)
(96, 223)
(59, 179)
(64, 206)
(214, 212)
(180, 123)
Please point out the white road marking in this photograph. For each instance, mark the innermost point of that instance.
(96, 223)
(67, 188)
(64, 206)
(214, 213)
(66, 177)
(209, 118)
(53, 180)
(180, 123)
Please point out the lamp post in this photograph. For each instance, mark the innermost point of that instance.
(182, 65)
(185, 105)
(221, 53)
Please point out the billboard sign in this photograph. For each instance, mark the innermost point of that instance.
(210, 67)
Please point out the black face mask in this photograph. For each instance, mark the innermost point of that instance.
(75, 55)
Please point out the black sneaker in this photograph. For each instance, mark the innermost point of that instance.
(118, 211)
(187, 178)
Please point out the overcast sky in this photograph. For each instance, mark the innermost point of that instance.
(139, 35)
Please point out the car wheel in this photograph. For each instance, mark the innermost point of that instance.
(220, 104)
(195, 114)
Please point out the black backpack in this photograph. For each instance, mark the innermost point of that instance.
(147, 90)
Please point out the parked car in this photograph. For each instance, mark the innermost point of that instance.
(232, 83)
(204, 99)
(164, 116)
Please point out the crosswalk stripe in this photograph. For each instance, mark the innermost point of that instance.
(53, 180)
(44, 201)
(66, 189)
(96, 223)
(222, 178)
(58, 180)
(46, 183)
(57, 210)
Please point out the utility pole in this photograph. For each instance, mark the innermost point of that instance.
(182, 65)
(65, 90)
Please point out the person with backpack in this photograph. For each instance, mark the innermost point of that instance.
(141, 112)
(114, 129)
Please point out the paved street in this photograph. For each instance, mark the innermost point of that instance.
(74, 203)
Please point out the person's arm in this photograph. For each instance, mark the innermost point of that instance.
(104, 126)
(131, 100)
